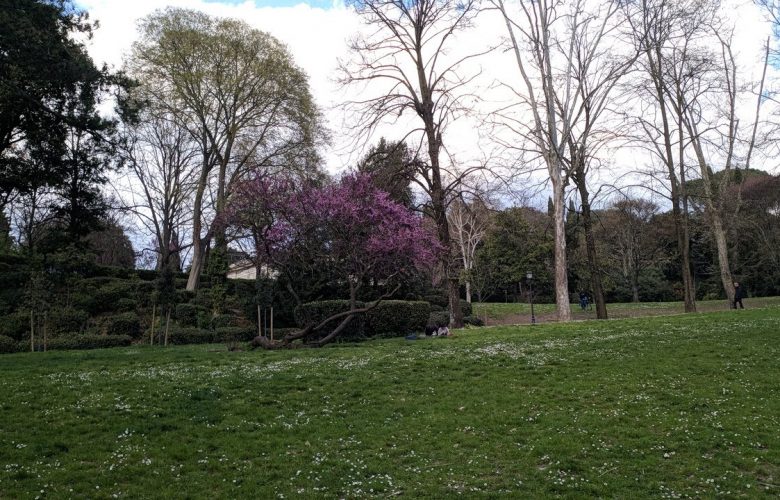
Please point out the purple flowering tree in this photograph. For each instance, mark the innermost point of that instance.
(351, 227)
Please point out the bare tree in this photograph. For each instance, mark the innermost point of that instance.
(162, 173)
(627, 228)
(565, 53)
(406, 52)
(659, 26)
(239, 94)
(469, 221)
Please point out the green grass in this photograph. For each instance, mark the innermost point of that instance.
(657, 407)
(516, 312)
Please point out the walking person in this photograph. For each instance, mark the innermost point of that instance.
(739, 294)
(583, 300)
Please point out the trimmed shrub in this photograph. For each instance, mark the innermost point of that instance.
(438, 319)
(234, 334)
(108, 295)
(225, 320)
(146, 274)
(397, 318)
(439, 300)
(67, 320)
(180, 336)
(187, 314)
(315, 312)
(473, 321)
(439, 303)
(183, 296)
(7, 344)
(88, 342)
(144, 291)
(126, 305)
(16, 326)
(124, 324)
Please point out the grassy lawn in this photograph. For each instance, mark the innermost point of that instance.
(517, 313)
(654, 407)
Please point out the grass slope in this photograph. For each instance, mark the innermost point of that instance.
(519, 312)
(652, 407)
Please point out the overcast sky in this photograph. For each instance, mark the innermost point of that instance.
(316, 33)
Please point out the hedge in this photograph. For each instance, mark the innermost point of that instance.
(67, 320)
(438, 319)
(124, 324)
(187, 314)
(7, 344)
(189, 336)
(234, 334)
(473, 321)
(16, 325)
(315, 312)
(225, 320)
(88, 342)
(397, 318)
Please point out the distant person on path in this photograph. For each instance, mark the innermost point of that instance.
(739, 294)
(583, 300)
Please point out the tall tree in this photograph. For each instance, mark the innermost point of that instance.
(161, 161)
(240, 95)
(531, 37)
(469, 222)
(404, 57)
(658, 26)
(54, 145)
(392, 166)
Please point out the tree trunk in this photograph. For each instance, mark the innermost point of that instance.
(198, 244)
(590, 246)
(716, 222)
(32, 331)
(468, 291)
(151, 333)
(167, 325)
(562, 303)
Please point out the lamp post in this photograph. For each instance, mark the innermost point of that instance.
(530, 276)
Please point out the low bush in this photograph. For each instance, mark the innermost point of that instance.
(7, 344)
(144, 291)
(187, 314)
(183, 296)
(127, 305)
(88, 342)
(108, 295)
(124, 324)
(473, 321)
(397, 318)
(234, 334)
(67, 320)
(189, 336)
(225, 320)
(438, 319)
(437, 304)
(16, 325)
(439, 300)
(316, 312)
